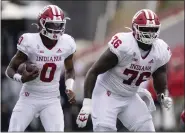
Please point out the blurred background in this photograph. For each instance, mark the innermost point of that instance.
(92, 24)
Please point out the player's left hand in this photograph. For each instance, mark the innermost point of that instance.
(165, 100)
(71, 96)
(85, 111)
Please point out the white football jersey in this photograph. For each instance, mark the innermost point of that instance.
(49, 61)
(132, 69)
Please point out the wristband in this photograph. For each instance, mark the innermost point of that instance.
(87, 102)
(69, 84)
(17, 77)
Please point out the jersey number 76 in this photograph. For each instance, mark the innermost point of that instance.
(134, 74)
(116, 42)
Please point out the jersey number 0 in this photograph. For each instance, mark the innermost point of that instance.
(48, 78)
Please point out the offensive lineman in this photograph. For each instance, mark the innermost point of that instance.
(48, 50)
(113, 80)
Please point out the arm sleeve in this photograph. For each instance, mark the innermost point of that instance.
(22, 44)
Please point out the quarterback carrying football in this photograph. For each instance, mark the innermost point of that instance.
(41, 56)
(112, 83)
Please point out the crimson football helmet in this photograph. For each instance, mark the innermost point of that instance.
(52, 22)
(146, 26)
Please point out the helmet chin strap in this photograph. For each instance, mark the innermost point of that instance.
(144, 41)
(50, 35)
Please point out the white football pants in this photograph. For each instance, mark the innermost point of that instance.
(131, 111)
(26, 108)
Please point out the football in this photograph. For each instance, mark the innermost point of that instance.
(26, 65)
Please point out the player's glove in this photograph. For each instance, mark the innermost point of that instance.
(165, 100)
(85, 111)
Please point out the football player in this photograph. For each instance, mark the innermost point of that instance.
(183, 116)
(112, 82)
(48, 50)
(182, 121)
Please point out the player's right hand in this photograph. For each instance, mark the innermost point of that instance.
(165, 100)
(85, 111)
(28, 76)
(71, 96)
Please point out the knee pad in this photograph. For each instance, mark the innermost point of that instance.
(100, 128)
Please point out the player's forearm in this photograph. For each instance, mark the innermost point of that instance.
(89, 83)
(70, 74)
(69, 78)
(160, 83)
(10, 72)
(160, 89)
(160, 79)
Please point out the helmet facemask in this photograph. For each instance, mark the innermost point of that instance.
(146, 34)
(53, 29)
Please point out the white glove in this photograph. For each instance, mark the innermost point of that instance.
(165, 101)
(82, 118)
